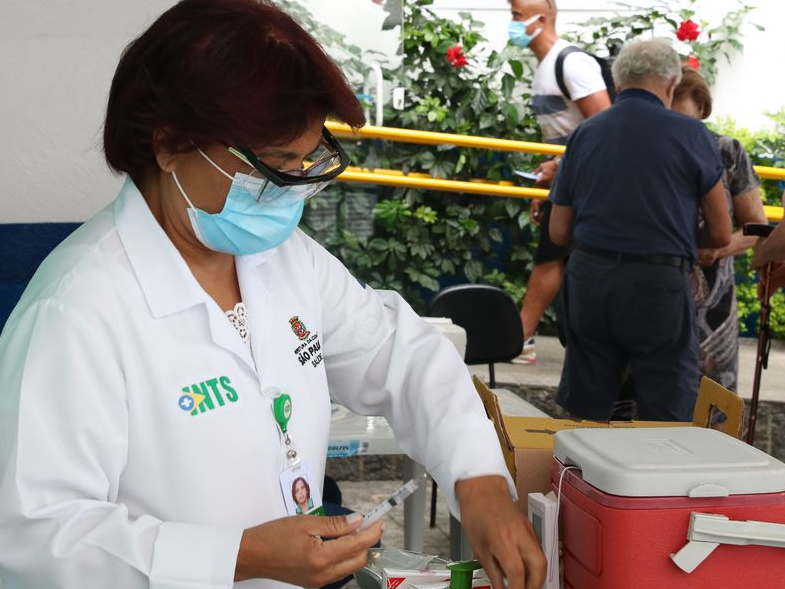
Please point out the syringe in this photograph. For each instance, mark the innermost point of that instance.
(396, 498)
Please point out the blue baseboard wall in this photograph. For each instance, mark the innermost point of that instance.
(23, 246)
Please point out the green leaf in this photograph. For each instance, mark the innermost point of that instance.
(473, 270)
(378, 244)
(487, 120)
(517, 68)
(480, 100)
(512, 207)
(461, 162)
(508, 86)
(427, 159)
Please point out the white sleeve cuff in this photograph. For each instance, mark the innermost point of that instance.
(474, 452)
(192, 555)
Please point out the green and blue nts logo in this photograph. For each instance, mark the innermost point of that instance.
(207, 395)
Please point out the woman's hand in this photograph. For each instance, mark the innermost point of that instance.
(291, 549)
(707, 256)
(502, 538)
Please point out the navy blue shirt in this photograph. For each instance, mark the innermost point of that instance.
(635, 175)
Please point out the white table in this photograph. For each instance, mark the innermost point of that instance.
(357, 435)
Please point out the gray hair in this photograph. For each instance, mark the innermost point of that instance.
(643, 58)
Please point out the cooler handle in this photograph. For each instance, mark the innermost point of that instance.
(707, 531)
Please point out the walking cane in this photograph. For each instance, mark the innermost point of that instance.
(764, 342)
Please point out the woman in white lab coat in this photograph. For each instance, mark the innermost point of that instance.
(167, 373)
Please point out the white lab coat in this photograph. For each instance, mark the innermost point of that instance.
(105, 481)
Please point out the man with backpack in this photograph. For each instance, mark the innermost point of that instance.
(569, 86)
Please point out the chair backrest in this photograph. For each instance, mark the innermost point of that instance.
(490, 317)
(712, 395)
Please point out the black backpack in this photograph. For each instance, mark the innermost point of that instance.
(605, 68)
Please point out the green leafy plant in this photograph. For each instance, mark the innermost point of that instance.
(766, 147)
(349, 56)
(453, 82)
(666, 18)
(749, 305)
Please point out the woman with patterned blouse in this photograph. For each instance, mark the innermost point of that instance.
(713, 277)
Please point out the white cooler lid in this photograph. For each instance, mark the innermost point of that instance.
(669, 462)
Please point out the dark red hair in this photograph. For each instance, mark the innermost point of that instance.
(232, 71)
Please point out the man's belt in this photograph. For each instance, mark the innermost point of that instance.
(660, 259)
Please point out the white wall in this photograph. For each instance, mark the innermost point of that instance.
(57, 58)
(754, 83)
(751, 85)
(56, 62)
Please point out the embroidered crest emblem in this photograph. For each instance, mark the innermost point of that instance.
(299, 328)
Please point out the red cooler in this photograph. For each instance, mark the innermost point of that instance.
(669, 508)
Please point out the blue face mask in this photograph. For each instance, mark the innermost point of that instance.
(517, 31)
(244, 226)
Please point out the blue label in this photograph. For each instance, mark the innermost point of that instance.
(346, 448)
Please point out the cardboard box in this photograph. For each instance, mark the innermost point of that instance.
(527, 442)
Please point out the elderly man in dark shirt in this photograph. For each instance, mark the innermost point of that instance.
(628, 193)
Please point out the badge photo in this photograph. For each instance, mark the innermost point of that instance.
(301, 491)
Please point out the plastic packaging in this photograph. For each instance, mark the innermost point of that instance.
(371, 575)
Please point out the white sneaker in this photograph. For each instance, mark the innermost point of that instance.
(528, 355)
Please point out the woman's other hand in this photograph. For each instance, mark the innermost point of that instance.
(707, 256)
(292, 549)
(502, 538)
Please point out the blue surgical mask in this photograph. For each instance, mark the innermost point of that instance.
(517, 31)
(244, 226)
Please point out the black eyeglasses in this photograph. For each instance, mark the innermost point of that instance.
(324, 164)
(281, 188)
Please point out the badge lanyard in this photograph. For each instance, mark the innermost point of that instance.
(297, 473)
(282, 411)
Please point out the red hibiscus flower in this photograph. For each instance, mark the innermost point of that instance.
(693, 62)
(456, 57)
(688, 31)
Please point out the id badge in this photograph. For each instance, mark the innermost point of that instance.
(300, 490)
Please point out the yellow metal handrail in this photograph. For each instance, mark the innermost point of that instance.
(433, 138)
(773, 213)
(426, 182)
(488, 187)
